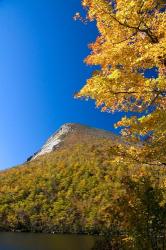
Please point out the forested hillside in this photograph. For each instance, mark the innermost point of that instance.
(93, 187)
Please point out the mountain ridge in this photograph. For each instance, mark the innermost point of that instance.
(70, 133)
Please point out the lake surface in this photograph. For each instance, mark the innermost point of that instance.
(30, 241)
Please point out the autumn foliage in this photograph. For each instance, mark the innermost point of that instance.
(130, 51)
(92, 187)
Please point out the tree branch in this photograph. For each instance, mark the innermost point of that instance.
(147, 31)
(136, 92)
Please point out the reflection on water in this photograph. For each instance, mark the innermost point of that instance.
(28, 241)
(111, 243)
(147, 242)
(103, 244)
(31, 241)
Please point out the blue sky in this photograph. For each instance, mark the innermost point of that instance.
(41, 67)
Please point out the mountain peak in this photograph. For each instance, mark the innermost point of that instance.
(71, 133)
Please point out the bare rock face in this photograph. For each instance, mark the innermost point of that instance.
(54, 141)
(71, 133)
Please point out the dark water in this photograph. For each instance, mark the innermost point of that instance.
(29, 241)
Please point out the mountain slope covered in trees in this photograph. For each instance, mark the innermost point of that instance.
(93, 186)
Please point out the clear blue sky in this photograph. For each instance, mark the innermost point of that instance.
(41, 67)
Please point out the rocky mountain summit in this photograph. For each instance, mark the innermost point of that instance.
(71, 133)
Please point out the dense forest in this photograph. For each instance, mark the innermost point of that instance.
(93, 187)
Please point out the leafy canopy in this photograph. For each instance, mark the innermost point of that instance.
(131, 42)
